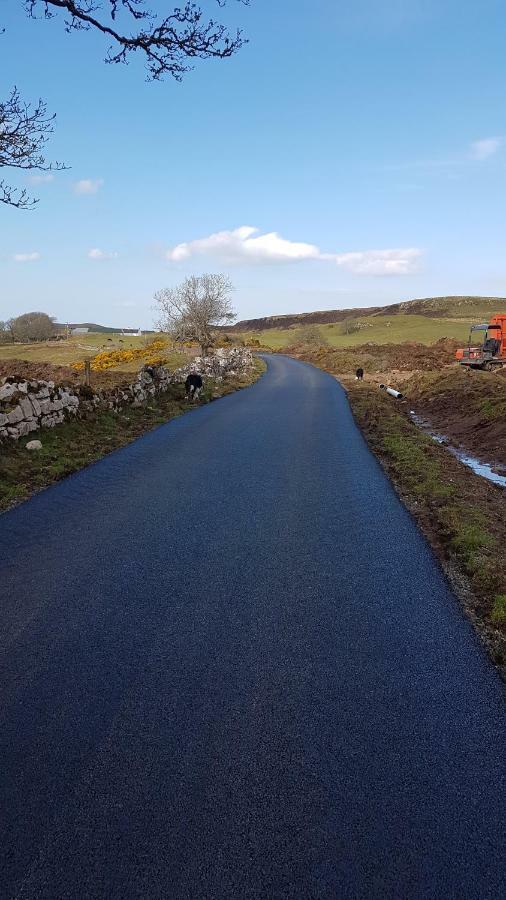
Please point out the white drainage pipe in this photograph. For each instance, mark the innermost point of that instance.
(392, 392)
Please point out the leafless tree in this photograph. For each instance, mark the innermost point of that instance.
(193, 309)
(34, 326)
(6, 335)
(168, 42)
(349, 326)
(312, 335)
(24, 131)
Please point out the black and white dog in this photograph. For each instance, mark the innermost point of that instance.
(193, 386)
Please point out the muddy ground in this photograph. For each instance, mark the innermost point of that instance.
(468, 407)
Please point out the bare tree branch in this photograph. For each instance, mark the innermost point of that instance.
(192, 309)
(24, 132)
(167, 42)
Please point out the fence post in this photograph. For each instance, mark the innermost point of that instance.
(87, 372)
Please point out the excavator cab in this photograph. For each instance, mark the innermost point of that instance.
(492, 353)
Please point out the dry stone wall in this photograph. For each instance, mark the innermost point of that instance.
(27, 406)
(221, 364)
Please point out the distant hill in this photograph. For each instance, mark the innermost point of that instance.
(432, 307)
(97, 329)
(448, 307)
(322, 317)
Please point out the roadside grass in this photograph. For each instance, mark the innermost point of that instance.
(415, 465)
(499, 610)
(492, 409)
(461, 515)
(76, 444)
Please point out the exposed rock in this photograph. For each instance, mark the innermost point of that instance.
(15, 415)
(35, 405)
(34, 445)
(7, 390)
(23, 428)
(27, 408)
(223, 362)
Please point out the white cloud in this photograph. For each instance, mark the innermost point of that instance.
(244, 245)
(96, 253)
(26, 257)
(88, 185)
(41, 179)
(247, 245)
(486, 148)
(402, 261)
(477, 151)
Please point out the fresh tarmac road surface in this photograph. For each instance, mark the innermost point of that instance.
(231, 668)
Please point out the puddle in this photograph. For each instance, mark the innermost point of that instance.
(478, 467)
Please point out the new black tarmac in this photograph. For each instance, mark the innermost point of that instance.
(232, 668)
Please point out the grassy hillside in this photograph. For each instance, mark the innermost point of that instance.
(475, 308)
(319, 317)
(376, 329)
(472, 308)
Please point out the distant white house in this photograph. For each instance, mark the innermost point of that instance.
(79, 330)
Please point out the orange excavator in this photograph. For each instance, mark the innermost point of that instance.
(490, 354)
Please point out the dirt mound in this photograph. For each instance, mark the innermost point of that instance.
(380, 358)
(38, 371)
(468, 407)
(41, 371)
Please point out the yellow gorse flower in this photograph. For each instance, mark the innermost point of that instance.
(111, 359)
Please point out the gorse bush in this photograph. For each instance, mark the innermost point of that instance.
(152, 354)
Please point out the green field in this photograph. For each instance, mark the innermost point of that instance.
(74, 349)
(81, 347)
(377, 330)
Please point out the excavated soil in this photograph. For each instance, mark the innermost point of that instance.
(40, 371)
(468, 407)
(379, 359)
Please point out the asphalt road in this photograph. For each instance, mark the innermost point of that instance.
(231, 667)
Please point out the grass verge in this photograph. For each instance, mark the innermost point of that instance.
(461, 514)
(74, 445)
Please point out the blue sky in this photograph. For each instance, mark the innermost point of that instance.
(365, 142)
